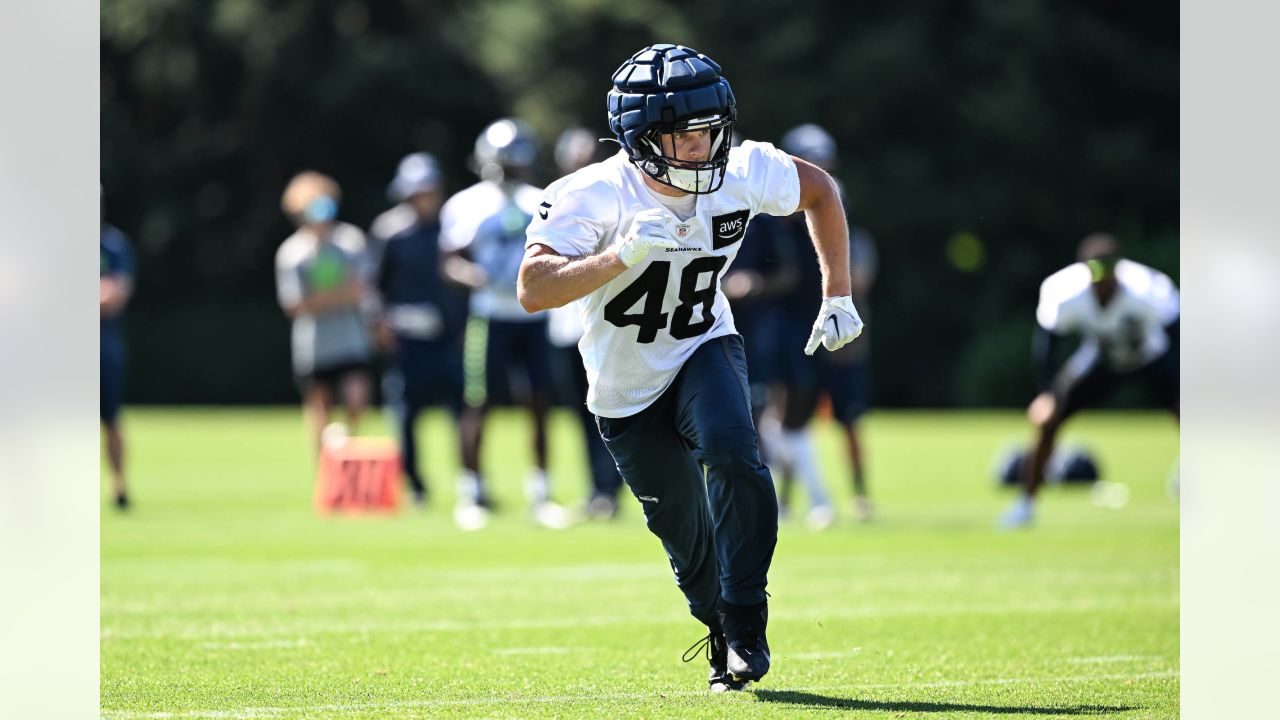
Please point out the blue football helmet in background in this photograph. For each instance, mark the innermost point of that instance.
(811, 142)
(505, 150)
(665, 89)
(1067, 465)
(418, 172)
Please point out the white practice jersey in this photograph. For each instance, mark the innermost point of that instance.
(1129, 332)
(564, 325)
(641, 326)
(489, 222)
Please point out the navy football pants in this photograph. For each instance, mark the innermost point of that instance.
(423, 373)
(719, 533)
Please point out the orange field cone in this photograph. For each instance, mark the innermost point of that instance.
(358, 475)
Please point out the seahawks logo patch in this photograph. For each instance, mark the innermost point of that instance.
(728, 229)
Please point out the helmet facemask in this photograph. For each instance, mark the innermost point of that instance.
(697, 176)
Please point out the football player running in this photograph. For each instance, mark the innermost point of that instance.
(1126, 315)
(643, 239)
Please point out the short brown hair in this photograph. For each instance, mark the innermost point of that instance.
(1097, 245)
(305, 187)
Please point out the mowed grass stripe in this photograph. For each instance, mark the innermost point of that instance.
(225, 593)
(264, 712)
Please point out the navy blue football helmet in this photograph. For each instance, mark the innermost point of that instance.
(506, 149)
(1067, 465)
(667, 89)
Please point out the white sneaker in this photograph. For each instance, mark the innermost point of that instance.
(552, 515)
(820, 517)
(862, 508)
(470, 516)
(602, 507)
(1019, 515)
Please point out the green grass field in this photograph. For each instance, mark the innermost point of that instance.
(225, 596)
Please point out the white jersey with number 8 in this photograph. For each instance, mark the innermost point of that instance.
(642, 325)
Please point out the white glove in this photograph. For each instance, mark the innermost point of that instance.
(837, 324)
(648, 231)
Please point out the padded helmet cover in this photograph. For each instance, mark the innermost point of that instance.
(663, 88)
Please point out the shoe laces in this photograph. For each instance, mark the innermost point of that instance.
(698, 647)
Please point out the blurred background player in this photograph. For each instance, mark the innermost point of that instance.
(767, 268)
(321, 285)
(577, 148)
(115, 285)
(844, 375)
(420, 315)
(482, 227)
(1126, 316)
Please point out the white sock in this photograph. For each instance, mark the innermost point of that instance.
(537, 489)
(468, 487)
(771, 445)
(805, 462)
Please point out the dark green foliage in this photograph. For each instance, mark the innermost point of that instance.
(1021, 124)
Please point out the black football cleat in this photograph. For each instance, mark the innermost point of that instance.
(717, 653)
(748, 651)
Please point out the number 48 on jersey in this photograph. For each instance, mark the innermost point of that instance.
(651, 286)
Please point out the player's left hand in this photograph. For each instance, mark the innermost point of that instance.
(837, 324)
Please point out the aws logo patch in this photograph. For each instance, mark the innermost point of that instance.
(728, 229)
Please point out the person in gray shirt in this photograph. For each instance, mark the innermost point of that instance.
(322, 285)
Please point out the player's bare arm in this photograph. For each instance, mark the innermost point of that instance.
(113, 294)
(350, 293)
(824, 213)
(549, 279)
(838, 323)
(458, 269)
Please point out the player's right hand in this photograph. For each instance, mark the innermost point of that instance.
(648, 230)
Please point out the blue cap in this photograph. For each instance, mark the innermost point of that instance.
(417, 173)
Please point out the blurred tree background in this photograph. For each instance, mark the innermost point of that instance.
(979, 140)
